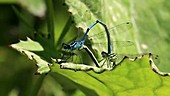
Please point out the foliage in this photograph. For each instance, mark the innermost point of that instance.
(130, 78)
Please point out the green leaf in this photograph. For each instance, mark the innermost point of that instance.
(146, 34)
(29, 49)
(153, 33)
(25, 45)
(128, 79)
(90, 84)
(131, 77)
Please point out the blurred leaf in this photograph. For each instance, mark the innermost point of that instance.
(36, 7)
(16, 73)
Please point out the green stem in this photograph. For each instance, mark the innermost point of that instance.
(37, 86)
(50, 20)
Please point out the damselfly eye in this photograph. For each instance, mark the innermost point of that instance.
(66, 46)
(104, 54)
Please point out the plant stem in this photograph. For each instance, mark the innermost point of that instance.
(50, 21)
(37, 86)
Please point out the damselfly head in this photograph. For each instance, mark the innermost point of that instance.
(66, 46)
(104, 54)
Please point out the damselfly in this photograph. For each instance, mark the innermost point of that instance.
(78, 44)
(108, 57)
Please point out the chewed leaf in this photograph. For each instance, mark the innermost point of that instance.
(153, 60)
(28, 45)
(82, 67)
(43, 66)
(25, 47)
(132, 74)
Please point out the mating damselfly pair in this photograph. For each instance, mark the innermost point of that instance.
(109, 59)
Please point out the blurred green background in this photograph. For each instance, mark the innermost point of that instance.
(17, 72)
